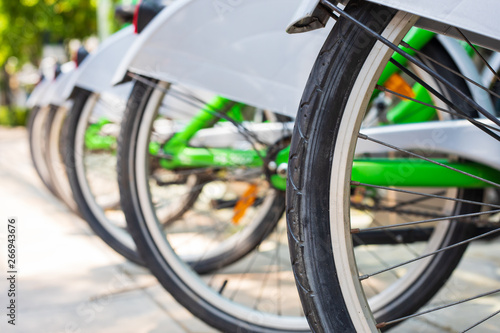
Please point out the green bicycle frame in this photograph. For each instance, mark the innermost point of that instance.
(177, 154)
(94, 140)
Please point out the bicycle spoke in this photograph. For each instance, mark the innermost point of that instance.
(412, 59)
(241, 128)
(384, 324)
(354, 183)
(366, 137)
(366, 276)
(394, 210)
(245, 273)
(472, 120)
(274, 260)
(376, 257)
(356, 231)
(186, 98)
(418, 201)
(481, 321)
(371, 286)
(478, 54)
(421, 54)
(444, 99)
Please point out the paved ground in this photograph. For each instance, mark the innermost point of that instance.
(68, 280)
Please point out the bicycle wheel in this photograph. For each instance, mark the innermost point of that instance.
(36, 131)
(54, 156)
(348, 279)
(90, 163)
(244, 257)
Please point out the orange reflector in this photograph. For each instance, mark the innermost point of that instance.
(397, 84)
(358, 195)
(244, 202)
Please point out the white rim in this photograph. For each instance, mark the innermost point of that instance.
(388, 295)
(345, 263)
(37, 142)
(56, 164)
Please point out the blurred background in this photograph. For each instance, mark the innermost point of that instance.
(36, 35)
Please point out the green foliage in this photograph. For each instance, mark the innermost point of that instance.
(26, 24)
(13, 117)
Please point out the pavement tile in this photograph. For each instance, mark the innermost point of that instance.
(69, 280)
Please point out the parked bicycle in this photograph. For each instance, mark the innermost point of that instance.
(349, 178)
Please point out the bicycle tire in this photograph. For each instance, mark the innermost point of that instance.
(325, 299)
(172, 273)
(36, 136)
(75, 123)
(54, 153)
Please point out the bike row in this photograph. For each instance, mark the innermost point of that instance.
(180, 144)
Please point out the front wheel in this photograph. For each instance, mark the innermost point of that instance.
(347, 278)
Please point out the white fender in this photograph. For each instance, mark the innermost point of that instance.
(478, 20)
(58, 98)
(487, 77)
(96, 71)
(112, 103)
(37, 93)
(55, 89)
(46, 96)
(237, 49)
(467, 67)
(308, 16)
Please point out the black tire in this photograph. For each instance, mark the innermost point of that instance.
(90, 210)
(36, 136)
(321, 113)
(54, 156)
(172, 274)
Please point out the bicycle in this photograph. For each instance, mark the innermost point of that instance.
(331, 208)
(44, 146)
(88, 154)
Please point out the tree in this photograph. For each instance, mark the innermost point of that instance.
(26, 24)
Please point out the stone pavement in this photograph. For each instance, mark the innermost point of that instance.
(68, 280)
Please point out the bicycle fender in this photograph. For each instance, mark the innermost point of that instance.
(97, 70)
(53, 93)
(37, 93)
(57, 98)
(309, 16)
(487, 77)
(237, 49)
(467, 67)
(478, 20)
